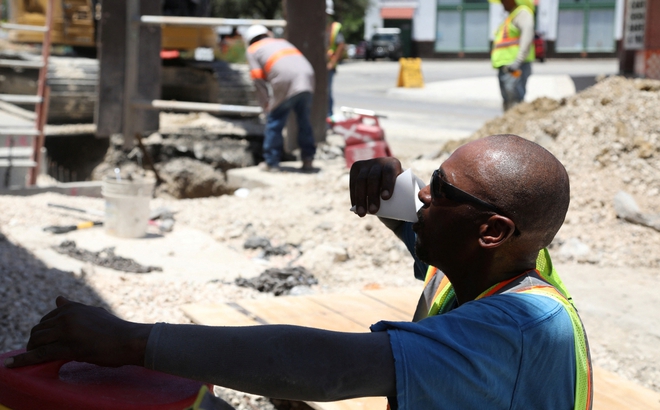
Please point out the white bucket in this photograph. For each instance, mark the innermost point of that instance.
(127, 206)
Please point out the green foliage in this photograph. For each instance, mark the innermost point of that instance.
(233, 51)
(350, 13)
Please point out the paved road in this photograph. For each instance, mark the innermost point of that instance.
(458, 97)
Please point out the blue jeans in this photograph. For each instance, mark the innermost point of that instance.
(301, 104)
(331, 75)
(513, 89)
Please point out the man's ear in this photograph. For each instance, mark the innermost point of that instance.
(495, 231)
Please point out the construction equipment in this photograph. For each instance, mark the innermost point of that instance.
(74, 24)
(57, 229)
(30, 139)
(74, 79)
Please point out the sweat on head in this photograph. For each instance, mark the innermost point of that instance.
(526, 181)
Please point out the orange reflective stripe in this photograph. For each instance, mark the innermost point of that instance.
(257, 74)
(443, 283)
(505, 44)
(495, 288)
(430, 273)
(278, 55)
(255, 46)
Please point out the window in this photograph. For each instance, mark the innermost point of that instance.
(585, 25)
(462, 25)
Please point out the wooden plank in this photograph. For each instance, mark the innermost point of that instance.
(300, 311)
(365, 403)
(612, 392)
(403, 299)
(217, 314)
(360, 308)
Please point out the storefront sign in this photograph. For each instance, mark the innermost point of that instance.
(635, 25)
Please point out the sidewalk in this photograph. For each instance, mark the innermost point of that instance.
(485, 91)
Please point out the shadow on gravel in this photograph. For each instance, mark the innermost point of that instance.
(28, 290)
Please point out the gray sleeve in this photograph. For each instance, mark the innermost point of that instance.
(525, 23)
(263, 92)
(175, 349)
(276, 360)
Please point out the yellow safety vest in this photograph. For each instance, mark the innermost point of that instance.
(335, 27)
(550, 285)
(507, 41)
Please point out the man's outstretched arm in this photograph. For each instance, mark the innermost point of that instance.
(277, 361)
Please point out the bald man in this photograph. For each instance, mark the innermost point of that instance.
(490, 332)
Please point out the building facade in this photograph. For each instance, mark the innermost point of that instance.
(465, 28)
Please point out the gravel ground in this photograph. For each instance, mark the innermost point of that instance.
(607, 136)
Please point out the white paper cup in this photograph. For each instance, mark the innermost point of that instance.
(404, 202)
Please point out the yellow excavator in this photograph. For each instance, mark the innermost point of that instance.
(74, 23)
(73, 78)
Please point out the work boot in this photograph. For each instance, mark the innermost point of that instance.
(269, 168)
(307, 165)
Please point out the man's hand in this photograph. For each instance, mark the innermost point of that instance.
(372, 180)
(74, 331)
(512, 68)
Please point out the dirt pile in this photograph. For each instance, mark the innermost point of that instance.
(608, 138)
(514, 121)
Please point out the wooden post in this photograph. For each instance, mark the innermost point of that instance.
(110, 107)
(306, 30)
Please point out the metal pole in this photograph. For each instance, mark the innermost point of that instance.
(207, 21)
(131, 72)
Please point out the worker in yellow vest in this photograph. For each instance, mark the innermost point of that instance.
(513, 52)
(335, 44)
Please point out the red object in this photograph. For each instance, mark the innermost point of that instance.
(169, 54)
(74, 385)
(539, 47)
(397, 13)
(364, 137)
(368, 150)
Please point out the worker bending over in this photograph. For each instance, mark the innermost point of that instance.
(491, 332)
(285, 82)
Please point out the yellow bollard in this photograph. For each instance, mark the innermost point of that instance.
(410, 73)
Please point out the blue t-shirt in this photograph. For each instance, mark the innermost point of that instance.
(507, 351)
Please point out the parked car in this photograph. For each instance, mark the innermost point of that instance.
(385, 43)
(539, 47)
(360, 49)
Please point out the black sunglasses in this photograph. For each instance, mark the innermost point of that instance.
(441, 188)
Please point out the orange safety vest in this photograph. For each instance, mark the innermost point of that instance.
(262, 74)
(547, 284)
